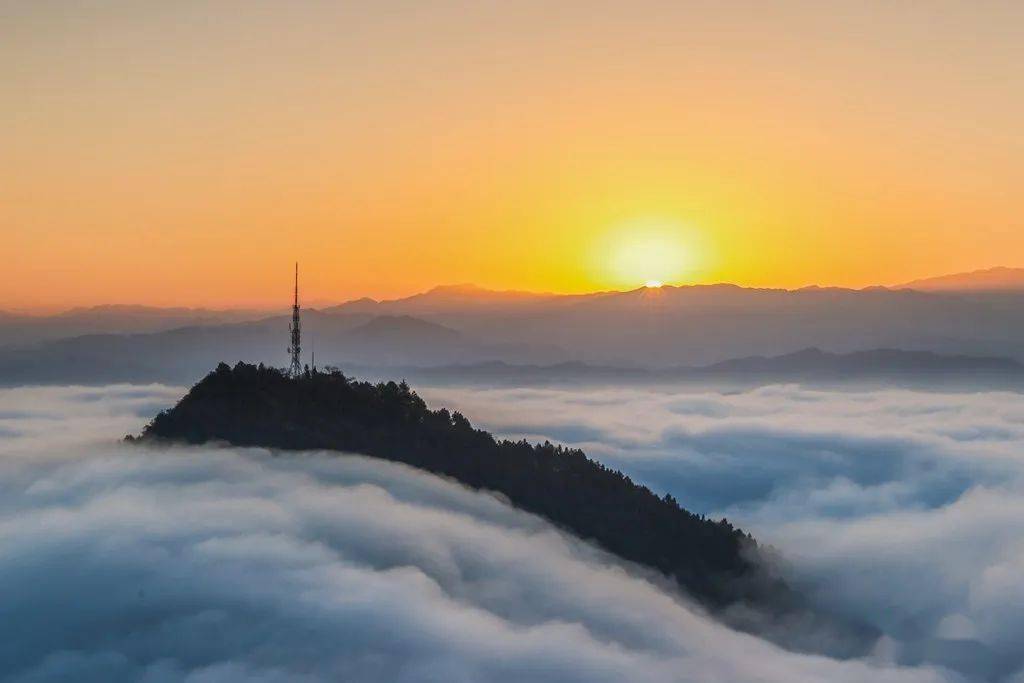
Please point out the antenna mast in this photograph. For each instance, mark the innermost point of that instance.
(296, 332)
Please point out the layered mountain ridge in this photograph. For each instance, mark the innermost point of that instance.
(656, 330)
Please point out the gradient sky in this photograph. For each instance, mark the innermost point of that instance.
(187, 152)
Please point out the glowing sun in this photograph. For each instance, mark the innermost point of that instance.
(650, 252)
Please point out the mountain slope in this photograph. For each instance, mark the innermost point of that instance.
(999, 279)
(392, 328)
(18, 329)
(251, 406)
(447, 298)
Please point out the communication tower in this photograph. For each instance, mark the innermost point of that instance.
(296, 332)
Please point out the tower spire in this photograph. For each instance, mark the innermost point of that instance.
(296, 332)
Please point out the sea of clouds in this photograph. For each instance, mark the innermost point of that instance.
(119, 562)
(904, 509)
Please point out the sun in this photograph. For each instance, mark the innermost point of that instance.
(651, 252)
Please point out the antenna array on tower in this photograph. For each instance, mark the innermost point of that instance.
(295, 348)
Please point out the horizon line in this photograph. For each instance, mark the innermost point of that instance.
(320, 303)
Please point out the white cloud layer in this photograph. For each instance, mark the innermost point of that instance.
(124, 563)
(902, 508)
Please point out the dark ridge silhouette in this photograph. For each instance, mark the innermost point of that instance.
(259, 406)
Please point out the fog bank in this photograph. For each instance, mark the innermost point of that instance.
(221, 564)
(898, 507)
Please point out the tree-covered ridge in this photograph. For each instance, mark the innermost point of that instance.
(259, 406)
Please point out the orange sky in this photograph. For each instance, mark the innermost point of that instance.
(186, 153)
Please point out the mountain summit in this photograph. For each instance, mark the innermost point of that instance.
(256, 406)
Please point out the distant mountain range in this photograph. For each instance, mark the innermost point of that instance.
(177, 355)
(703, 324)
(17, 328)
(451, 302)
(1000, 279)
(176, 358)
(647, 330)
(807, 365)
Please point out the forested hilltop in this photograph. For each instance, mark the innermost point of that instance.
(251, 405)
